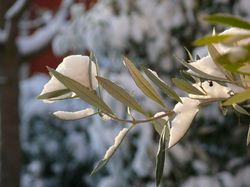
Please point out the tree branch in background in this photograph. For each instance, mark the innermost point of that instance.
(28, 45)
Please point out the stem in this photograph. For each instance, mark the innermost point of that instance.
(134, 121)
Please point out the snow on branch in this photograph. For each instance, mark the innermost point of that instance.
(30, 44)
(15, 9)
(4, 33)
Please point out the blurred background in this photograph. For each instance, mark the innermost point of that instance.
(53, 153)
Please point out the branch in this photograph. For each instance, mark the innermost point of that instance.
(27, 45)
(15, 9)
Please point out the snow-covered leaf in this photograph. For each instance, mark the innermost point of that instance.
(185, 113)
(109, 153)
(64, 115)
(199, 73)
(83, 92)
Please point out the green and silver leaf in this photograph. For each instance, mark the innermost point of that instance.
(142, 83)
(161, 154)
(240, 109)
(248, 136)
(53, 94)
(187, 87)
(237, 98)
(228, 20)
(163, 86)
(120, 94)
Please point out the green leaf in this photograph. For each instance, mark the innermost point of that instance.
(161, 154)
(142, 83)
(201, 74)
(81, 91)
(120, 94)
(164, 87)
(189, 77)
(241, 110)
(159, 125)
(187, 87)
(54, 94)
(213, 52)
(99, 166)
(189, 55)
(238, 98)
(228, 20)
(232, 61)
(211, 39)
(227, 39)
(110, 152)
(248, 136)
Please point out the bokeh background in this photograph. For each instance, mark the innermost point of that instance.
(56, 153)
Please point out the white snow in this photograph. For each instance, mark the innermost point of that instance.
(65, 115)
(118, 140)
(15, 9)
(42, 37)
(4, 33)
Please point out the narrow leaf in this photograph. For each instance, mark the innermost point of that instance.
(110, 152)
(161, 154)
(189, 55)
(241, 110)
(228, 20)
(159, 125)
(211, 39)
(187, 87)
(164, 87)
(80, 90)
(215, 54)
(234, 60)
(142, 83)
(248, 136)
(54, 94)
(238, 98)
(120, 94)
